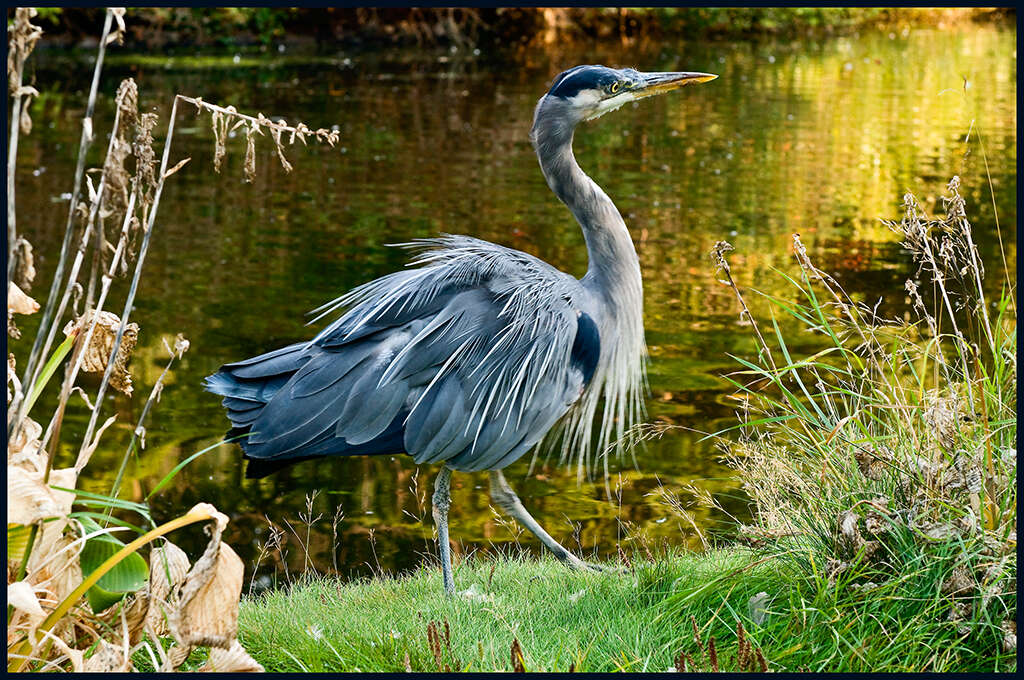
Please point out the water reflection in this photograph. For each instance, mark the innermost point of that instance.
(820, 138)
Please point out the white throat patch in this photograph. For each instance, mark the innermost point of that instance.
(592, 99)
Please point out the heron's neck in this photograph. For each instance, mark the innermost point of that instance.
(614, 269)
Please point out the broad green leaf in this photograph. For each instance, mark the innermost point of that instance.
(17, 540)
(127, 576)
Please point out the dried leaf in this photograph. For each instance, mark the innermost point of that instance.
(12, 380)
(22, 597)
(232, 660)
(168, 565)
(177, 167)
(54, 566)
(118, 13)
(1009, 636)
(28, 499)
(87, 451)
(959, 582)
(20, 303)
(24, 449)
(25, 122)
(108, 658)
(181, 345)
(938, 531)
(849, 534)
(757, 607)
(101, 346)
(250, 152)
(275, 133)
(208, 611)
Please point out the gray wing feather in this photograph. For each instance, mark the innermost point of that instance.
(468, 354)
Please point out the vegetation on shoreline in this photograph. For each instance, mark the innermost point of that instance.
(79, 597)
(882, 469)
(660, 615)
(482, 27)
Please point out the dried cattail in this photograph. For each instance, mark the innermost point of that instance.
(712, 654)
(145, 157)
(680, 663)
(22, 37)
(696, 633)
(24, 268)
(517, 657)
(127, 100)
(761, 663)
(742, 647)
(718, 252)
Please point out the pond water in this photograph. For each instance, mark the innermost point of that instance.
(816, 137)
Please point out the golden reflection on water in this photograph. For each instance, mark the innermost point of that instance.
(816, 137)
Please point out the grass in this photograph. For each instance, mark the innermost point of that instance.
(642, 620)
(559, 618)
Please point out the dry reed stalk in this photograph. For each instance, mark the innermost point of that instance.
(181, 345)
(52, 436)
(298, 131)
(48, 324)
(22, 40)
(140, 261)
(718, 252)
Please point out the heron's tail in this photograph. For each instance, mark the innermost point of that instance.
(248, 385)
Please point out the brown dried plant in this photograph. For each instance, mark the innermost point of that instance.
(48, 627)
(225, 120)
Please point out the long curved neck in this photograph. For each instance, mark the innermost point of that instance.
(614, 269)
(613, 277)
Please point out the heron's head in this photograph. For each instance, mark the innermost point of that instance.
(587, 92)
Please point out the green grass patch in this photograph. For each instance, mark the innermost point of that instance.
(640, 620)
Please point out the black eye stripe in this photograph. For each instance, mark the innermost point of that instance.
(589, 77)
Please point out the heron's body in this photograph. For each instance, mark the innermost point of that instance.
(468, 360)
(472, 357)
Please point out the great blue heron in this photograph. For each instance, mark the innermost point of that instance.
(472, 358)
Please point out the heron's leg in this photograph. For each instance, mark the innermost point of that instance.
(441, 502)
(506, 498)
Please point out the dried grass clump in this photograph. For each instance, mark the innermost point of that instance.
(891, 450)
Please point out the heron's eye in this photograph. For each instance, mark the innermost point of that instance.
(615, 87)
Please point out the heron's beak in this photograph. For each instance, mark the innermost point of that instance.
(659, 83)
